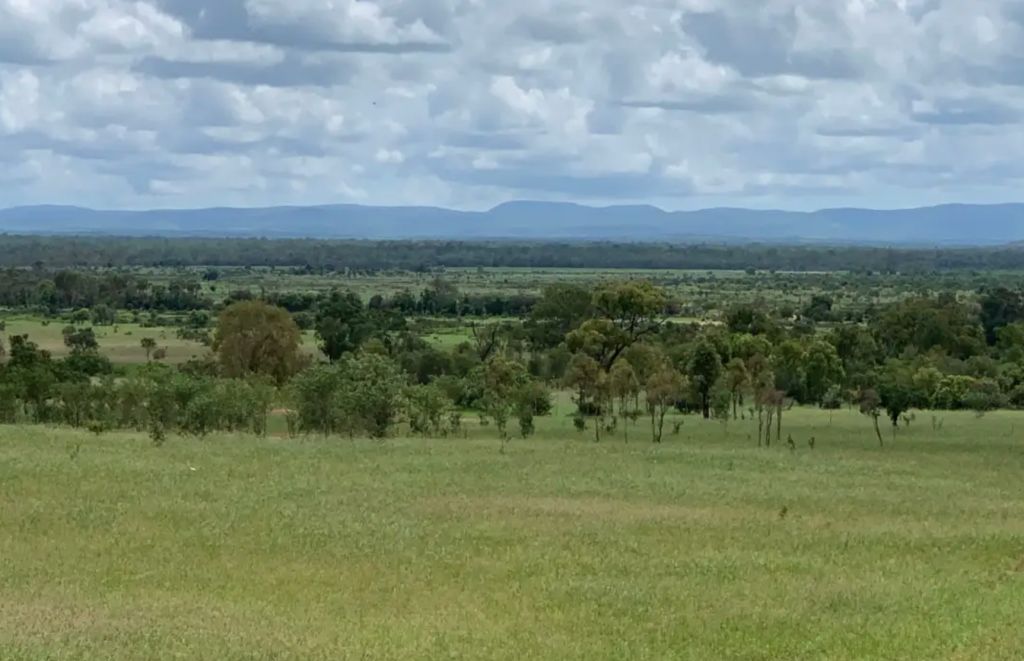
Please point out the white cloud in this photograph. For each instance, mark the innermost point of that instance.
(691, 103)
(391, 156)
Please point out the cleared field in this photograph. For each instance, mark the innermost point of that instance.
(702, 548)
(120, 343)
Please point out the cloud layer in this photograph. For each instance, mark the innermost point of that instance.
(466, 103)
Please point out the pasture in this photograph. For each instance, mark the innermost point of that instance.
(705, 547)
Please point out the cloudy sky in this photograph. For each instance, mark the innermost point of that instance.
(467, 103)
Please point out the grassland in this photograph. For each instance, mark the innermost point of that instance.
(702, 548)
(120, 343)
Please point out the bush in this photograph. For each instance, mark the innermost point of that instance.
(360, 394)
(952, 391)
(984, 396)
(833, 399)
(430, 411)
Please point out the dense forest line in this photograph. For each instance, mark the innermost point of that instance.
(92, 251)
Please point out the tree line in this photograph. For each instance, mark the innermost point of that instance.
(612, 346)
(63, 252)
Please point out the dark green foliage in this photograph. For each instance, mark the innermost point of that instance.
(360, 394)
(80, 340)
(316, 254)
(750, 320)
(703, 369)
(560, 310)
(923, 324)
(1000, 307)
(342, 324)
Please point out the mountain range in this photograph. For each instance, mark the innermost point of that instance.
(954, 224)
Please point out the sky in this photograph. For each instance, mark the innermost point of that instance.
(684, 104)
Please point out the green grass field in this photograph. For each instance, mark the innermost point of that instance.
(702, 548)
(120, 343)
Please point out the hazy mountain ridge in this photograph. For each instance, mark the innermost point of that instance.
(954, 224)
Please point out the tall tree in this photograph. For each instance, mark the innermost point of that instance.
(561, 308)
(590, 381)
(703, 369)
(625, 312)
(625, 389)
(664, 389)
(342, 324)
(736, 379)
(1000, 307)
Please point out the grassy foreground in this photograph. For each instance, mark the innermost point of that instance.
(703, 548)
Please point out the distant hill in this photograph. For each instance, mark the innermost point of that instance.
(955, 224)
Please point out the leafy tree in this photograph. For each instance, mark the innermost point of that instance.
(315, 400)
(858, 352)
(80, 340)
(375, 388)
(704, 368)
(749, 320)
(83, 364)
(1000, 307)
(590, 381)
(488, 338)
(625, 389)
(820, 308)
(664, 388)
(103, 315)
(897, 391)
(790, 364)
(148, 345)
(431, 412)
(984, 396)
(736, 379)
(762, 383)
(746, 346)
(531, 399)
(952, 391)
(822, 370)
(721, 399)
(561, 308)
(342, 324)
(923, 324)
(503, 385)
(1010, 342)
(871, 405)
(253, 338)
(625, 312)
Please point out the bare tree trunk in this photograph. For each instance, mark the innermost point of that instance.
(760, 425)
(878, 432)
(778, 421)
